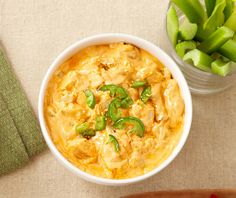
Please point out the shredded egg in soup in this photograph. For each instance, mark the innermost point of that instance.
(114, 111)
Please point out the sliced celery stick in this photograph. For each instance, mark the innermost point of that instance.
(228, 9)
(229, 50)
(234, 37)
(216, 40)
(217, 17)
(231, 22)
(220, 67)
(192, 9)
(185, 46)
(172, 25)
(187, 30)
(210, 4)
(202, 34)
(199, 59)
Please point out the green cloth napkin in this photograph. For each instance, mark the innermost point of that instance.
(20, 135)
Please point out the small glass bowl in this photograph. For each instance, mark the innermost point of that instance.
(199, 82)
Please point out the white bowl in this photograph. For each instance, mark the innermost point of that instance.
(143, 44)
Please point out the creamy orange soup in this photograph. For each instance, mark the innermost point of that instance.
(111, 151)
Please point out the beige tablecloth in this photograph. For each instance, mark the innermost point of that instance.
(34, 32)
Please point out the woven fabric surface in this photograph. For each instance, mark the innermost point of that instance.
(20, 136)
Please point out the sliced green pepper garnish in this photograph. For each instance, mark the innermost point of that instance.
(89, 133)
(192, 9)
(172, 24)
(138, 126)
(137, 84)
(115, 90)
(146, 94)
(84, 130)
(114, 141)
(217, 17)
(216, 40)
(82, 127)
(199, 59)
(221, 68)
(100, 123)
(126, 103)
(113, 109)
(90, 98)
(184, 47)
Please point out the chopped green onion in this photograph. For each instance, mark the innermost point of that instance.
(199, 59)
(216, 40)
(187, 30)
(146, 94)
(90, 98)
(184, 47)
(100, 123)
(221, 68)
(172, 25)
(137, 84)
(138, 126)
(114, 141)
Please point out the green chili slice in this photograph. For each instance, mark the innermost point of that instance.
(100, 123)
(137, 84)
(115, 90)
(146, 94)
(89, 133)
(114, 141)
(126, 103)
(113, 109)
(82, 127)
(138, 126)
(90, 98)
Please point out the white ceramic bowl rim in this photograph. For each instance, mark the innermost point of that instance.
(143, 44)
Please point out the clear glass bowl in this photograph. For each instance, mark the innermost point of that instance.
(199, 82)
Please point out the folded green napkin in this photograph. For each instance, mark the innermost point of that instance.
(20, 135)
